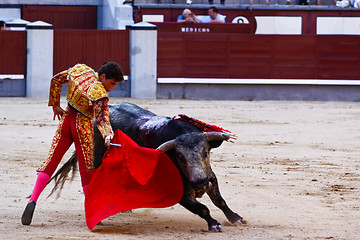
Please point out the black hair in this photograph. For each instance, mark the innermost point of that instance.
(214, 9)
(2, 24)
(112, 70)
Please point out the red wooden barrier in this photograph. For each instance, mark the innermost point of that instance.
(12, 52)
(62, 17)
(338, 57)
(214, 55)
(197, 55)
(92, 47)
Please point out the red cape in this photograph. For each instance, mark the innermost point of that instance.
(131, 177)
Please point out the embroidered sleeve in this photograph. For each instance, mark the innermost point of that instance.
(55, 88)
(101, 110)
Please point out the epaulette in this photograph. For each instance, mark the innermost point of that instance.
(80, 69)
(97, 91)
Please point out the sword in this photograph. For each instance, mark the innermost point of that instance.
(115, 144)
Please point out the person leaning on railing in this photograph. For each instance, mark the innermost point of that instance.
(214, 16)
(187, 17)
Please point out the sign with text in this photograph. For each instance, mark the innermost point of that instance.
(203, 28)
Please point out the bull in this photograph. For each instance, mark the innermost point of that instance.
(187, 146)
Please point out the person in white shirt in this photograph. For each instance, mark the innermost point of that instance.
(355, 3)
(214, 16)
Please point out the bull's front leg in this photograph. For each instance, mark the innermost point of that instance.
(217, 199)
(191, 204)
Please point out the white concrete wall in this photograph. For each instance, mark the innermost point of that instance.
(40, 59)
(143, 56)
(115, 15)
(10, 13)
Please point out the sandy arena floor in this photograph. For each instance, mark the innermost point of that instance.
(294, 173)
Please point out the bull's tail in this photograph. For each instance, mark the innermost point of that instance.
(62, 174)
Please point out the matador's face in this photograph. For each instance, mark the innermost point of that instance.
(108, 83)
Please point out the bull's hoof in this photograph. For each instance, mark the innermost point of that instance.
(236, 219)
(242, 221)
(239, 222)
(216, 228)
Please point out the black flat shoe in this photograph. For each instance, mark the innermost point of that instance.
(28, 213)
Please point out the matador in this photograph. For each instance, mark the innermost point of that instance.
(87, 100)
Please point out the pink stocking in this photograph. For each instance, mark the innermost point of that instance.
(41, 181)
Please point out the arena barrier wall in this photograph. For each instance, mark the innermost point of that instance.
(214, 65)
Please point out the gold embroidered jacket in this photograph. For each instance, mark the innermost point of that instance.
(85, 93)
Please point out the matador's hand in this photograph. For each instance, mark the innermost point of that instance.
(58, 112)
(108, 139)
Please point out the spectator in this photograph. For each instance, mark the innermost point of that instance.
(355, 3)
(303, 2)
(187, 17)
(342, 3)
(2, 25)
(214, 16)
(211, 2)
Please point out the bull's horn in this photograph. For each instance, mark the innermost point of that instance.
(166, 146)
(220, 136)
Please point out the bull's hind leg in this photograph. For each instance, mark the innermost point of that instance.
(191, 204)
(217, 199)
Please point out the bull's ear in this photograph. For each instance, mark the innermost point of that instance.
(215, 139)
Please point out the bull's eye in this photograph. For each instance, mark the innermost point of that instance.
(181, 157)
(204, 153)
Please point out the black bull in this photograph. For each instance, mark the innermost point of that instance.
(186, 145)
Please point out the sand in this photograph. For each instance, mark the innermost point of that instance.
(293, 173)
